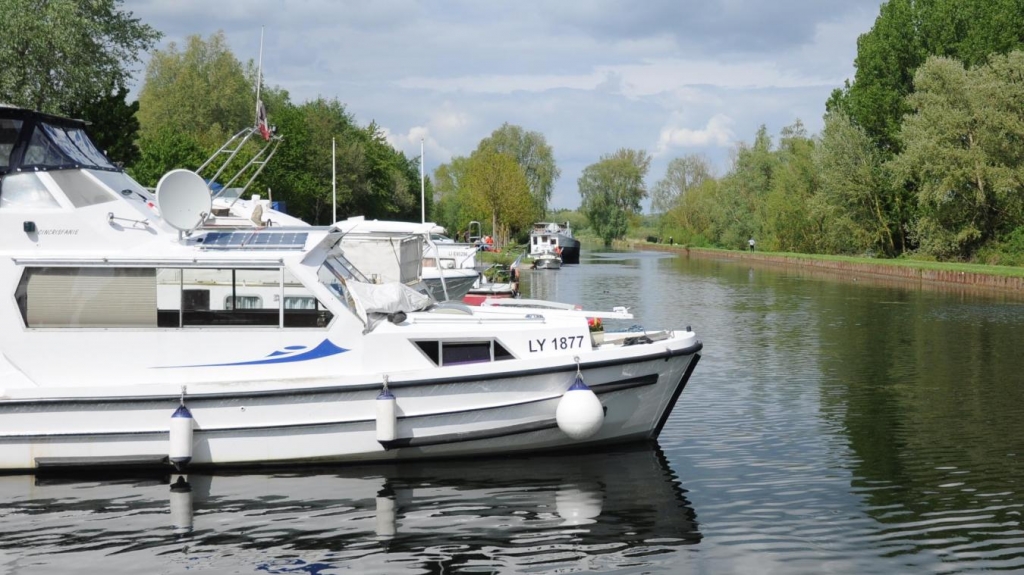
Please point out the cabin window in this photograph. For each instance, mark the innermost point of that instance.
(242, 302)
(56, 297)
(301, 308)
(236, 297)
(299, 302)
(444, 353)
(25, 191)
(88, 297)
(80, 188)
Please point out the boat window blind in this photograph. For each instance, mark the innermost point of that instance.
(88, 297)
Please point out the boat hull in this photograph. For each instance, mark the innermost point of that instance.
(547, 263)
(497, 413)
(571, 252)
(457, 287)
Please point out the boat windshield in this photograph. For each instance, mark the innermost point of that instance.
(53, 146)
(9, 130)
(335, 273)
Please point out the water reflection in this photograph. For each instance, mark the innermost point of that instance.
(547, 514)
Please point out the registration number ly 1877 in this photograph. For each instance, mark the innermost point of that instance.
(556, 343)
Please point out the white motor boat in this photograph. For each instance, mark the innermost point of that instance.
(546, 237)
(547, 261)
(137, 335)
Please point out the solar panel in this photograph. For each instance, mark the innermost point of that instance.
(263, 240)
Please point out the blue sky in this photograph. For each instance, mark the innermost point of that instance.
(670, 77)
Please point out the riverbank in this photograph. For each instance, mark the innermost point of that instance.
(1000, 278)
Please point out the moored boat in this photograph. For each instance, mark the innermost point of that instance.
(547, 261)
(153, 370)
(554, 237)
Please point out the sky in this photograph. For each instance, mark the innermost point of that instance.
(672, 77)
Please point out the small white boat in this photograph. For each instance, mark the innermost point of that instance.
(547, 261)
(140, 336)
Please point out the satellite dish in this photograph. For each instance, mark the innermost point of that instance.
(183, 199)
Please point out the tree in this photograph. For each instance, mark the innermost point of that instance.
(859, 208)
(963, 153)
(681, 175)
(533, 154)
(452, 207)
(112, 124)
(163, 151)
(201, 90)
(905, 33)
(57, 55)
(498, 186)
(612, 190)
(790, 223)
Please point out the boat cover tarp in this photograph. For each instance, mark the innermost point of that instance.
(376, 301)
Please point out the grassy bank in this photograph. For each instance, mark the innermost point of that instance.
(994, 277)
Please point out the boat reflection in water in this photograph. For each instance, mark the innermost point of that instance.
(621, 507)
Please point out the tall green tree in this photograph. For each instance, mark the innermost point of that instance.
(612, 190)
(58, 55)
(905, 33)
(533, 154)
(859, 207)
(452, 206)
(963, 153)
(790, 224)
(200, 89)
(682, 175)
(498, 186)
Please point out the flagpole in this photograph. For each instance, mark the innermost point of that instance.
(423, 187)
(334, 179)
(259, 77)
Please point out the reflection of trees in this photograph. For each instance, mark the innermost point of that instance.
(928, 389)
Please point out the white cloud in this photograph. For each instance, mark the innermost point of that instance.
(716, 133)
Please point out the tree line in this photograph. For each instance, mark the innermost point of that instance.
(919, 155)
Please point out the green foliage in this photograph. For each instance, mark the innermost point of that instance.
(497, 185)
(963, 153)
(484, 187)
(532, 152)
(859, 209)
(612, 190)
(452, 207)
(789, 223)
(681, 175)
(201, 90)
(113, 125)
(59, 55)
(904, 35)
(195, 98)
(164, 150)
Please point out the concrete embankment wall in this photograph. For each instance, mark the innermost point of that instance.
(949, 277)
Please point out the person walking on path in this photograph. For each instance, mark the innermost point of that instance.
(751, 242)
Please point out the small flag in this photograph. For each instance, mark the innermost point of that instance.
(261, 120)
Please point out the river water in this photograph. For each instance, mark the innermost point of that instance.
(832, 426)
